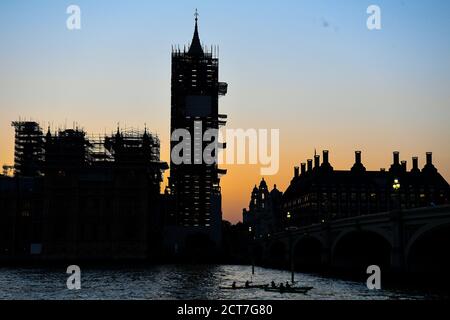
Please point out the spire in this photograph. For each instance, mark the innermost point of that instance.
(118, 131)
(263, 184)
(49, 134)
(196, 48)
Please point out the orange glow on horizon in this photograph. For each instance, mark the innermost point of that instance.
(238, 183)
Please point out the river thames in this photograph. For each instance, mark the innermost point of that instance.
(182, 282)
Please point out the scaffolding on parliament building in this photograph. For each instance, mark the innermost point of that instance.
(35, 152)
(28, 150)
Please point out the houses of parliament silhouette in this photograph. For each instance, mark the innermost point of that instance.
(98, 198)
(78, 197)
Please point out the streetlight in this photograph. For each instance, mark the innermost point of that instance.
(252, 249)
(397, 215)
(396, 187)
(291, 255)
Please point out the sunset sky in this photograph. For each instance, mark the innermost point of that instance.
(309, 68)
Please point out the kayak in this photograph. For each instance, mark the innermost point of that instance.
(289, 290)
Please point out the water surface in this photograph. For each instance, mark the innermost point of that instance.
(180, 282)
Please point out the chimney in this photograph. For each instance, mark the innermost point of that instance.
(316, 162)
(429, 167)
(404, 166)
(325, 156)
(396, 157)
(303, 168)
(310, 165)
(358, 157)
(429, 158)
(296, 172)
(358, 166)
(415, 161)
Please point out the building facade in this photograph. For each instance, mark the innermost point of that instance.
(318, 193)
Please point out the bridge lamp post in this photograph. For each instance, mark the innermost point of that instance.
(289, 229)
(396, 187)
(250, 230)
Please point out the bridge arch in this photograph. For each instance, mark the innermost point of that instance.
(426, 251)
(308, 253)
(375, 231)
(357, 249)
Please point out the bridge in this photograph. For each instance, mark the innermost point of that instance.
(416, 240)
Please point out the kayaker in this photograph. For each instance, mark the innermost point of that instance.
(247, 284)
(281, 287)
(234, 285)
(273, 284)
(288, 286)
